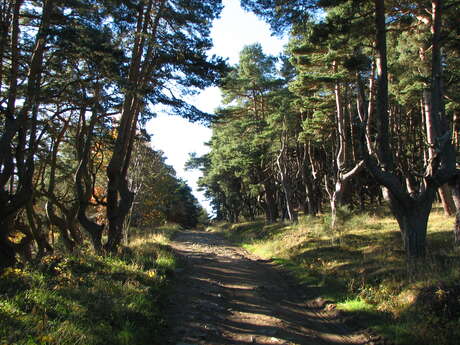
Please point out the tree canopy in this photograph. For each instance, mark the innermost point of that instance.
(77, 81)
(357, 110)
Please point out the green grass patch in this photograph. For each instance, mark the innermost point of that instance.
(88, 299)
(363, 269)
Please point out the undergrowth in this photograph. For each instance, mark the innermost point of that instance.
(363, 269)
(88, 299)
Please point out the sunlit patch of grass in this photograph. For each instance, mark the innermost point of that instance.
(89, 299)
(363, 268)
(355, 305)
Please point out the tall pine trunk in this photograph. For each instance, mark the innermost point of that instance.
(19, 133)
(432, 132)
(411, 211)
(119, 196)
(342, 178)
(282, 164)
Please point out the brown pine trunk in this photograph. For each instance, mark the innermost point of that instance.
(119, 197)
(83, 180)
(411, 213)
(412, 217)
(19, 131)
(53, 218)
(281, 163)
(310, 178)
(432, 132)
(455, 184)
(341, 178)
(445, 194)
(271, 209)
(37, 231)
(382, 120)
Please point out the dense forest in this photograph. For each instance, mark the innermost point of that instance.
(362, 109)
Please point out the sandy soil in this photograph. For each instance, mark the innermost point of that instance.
(224, 295)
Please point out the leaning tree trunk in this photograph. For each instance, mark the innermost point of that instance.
(39, 236)
(432, 132)
(342, 179)
(311, 198)
(119, 197)
(53, 218)
(83, 182)
(19, 132)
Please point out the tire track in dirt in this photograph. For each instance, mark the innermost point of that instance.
(224, 295)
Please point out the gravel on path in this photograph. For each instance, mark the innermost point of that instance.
(225, 295)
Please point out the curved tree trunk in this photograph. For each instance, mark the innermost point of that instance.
(432, 131)
(411, 211)
(61, 224)
(18, 139)
(342, 179)
(119, 197)
(83, 183)
(340, 187)
(36, 227)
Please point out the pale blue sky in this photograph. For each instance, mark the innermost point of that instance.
(177, 137)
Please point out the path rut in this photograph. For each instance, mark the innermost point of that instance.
(225, 295)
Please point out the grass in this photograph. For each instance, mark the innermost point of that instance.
(88, 299)
(363, 269)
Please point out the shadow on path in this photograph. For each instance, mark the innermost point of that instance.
(226, 296)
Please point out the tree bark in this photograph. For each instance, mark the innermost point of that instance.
(53, 218)
(455, 185)
(412, 218)
(311, 203)
(83, 184)
(341, 184)
(432, 132)
(281, 162)
(271, 210)
(119, 197)
(19, 132)
(342, 178)
(412, 212)
(382, 120)
(37, 231)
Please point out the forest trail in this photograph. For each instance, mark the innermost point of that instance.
(224, 295)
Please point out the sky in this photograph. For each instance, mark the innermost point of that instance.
(177, 137)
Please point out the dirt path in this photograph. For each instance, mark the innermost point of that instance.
(226, 296)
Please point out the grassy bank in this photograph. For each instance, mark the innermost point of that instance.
(88, 299)
(362, 269)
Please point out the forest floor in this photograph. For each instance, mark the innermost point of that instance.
(225, 295)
